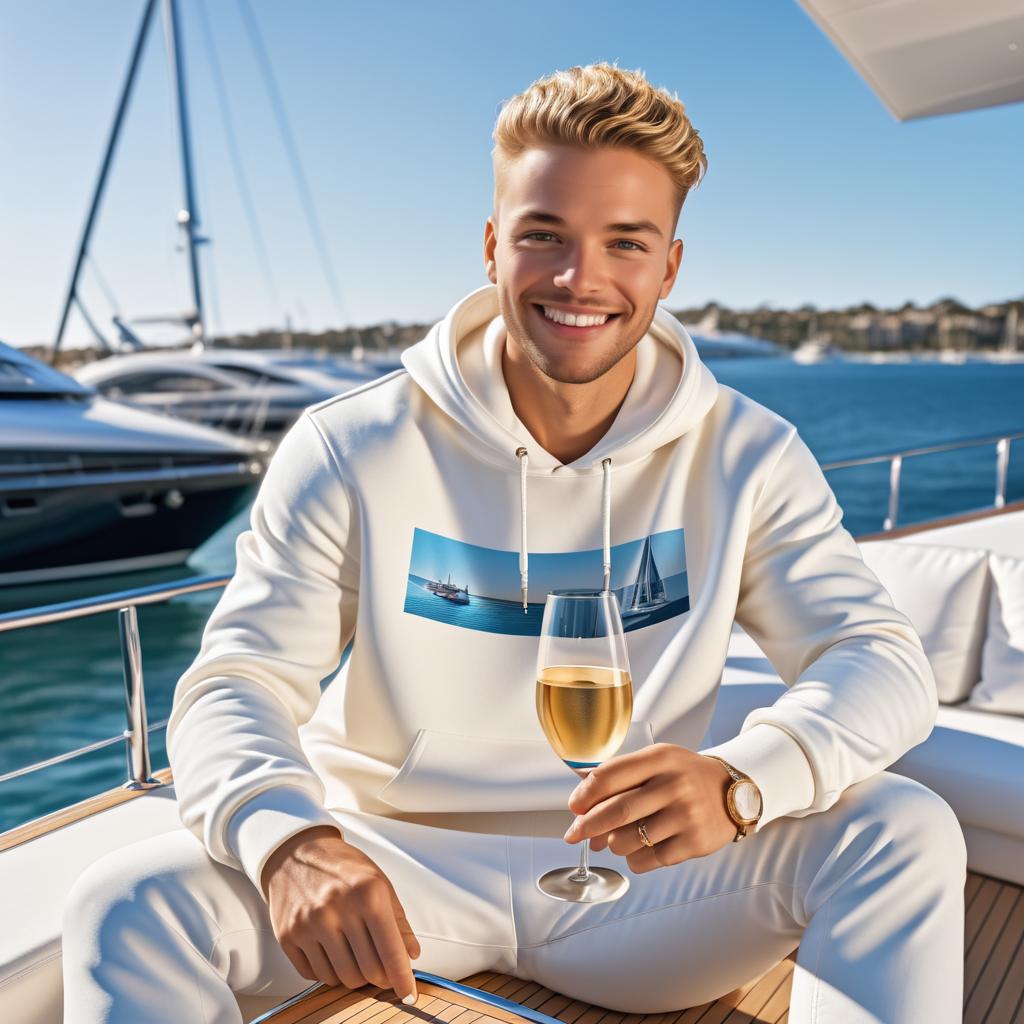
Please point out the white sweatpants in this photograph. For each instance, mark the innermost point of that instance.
(871, 890)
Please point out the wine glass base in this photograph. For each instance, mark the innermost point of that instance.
(603, 885)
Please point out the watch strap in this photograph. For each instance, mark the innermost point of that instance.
(736, 776)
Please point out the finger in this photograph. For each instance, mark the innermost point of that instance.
(393, 954)
(365, 952)
(299, 960)
(619, 773)
(339, 952)
(412, 944)
(664, 854)
(321, 965)
(619, 811)
(659, 827)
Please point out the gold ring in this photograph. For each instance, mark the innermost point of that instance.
(644, 837)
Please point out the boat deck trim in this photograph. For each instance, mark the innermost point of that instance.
(74, 812)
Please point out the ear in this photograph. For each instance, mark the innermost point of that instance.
(490, 244)
(675, 258)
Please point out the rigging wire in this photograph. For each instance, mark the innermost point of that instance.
(241, 180)
(108, 293)
(122, 106)
(291, 150)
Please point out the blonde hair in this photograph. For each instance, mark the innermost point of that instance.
(598, 106)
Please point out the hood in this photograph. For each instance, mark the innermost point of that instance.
(458, 364)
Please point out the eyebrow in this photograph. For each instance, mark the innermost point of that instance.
(628, 227)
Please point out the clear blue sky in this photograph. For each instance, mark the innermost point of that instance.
(814, 192)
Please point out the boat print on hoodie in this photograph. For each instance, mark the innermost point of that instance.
(476, 587)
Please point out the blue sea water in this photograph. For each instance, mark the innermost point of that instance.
(491, 615)
(61, 685)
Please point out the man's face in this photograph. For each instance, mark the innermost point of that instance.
(580, 262)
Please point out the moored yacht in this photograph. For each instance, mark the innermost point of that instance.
(89, 486)
(247, 396)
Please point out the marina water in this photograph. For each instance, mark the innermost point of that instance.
(61, 685)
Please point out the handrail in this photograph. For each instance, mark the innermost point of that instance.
(139, 769)
(125, 602)
(895, 460)
(136, 736)
(948, 446)
(68, 755)
(83, 607)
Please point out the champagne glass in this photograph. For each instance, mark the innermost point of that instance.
(585, 704)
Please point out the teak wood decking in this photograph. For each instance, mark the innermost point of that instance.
(993, 985)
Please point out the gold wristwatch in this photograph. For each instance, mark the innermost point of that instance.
(742, 800)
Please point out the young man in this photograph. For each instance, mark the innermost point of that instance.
(405, 812)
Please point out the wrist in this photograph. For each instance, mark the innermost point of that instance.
(290, 847)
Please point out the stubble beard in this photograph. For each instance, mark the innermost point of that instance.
(602, 362)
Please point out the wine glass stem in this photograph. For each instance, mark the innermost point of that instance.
(582, 873)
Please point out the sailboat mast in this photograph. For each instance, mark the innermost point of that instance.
(188, 217)
(115, 131)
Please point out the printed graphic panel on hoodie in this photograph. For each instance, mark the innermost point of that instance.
(413, 515)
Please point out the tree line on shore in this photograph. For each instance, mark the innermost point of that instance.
(945, 324)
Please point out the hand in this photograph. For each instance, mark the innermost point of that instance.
(336, 914)
(677, 793)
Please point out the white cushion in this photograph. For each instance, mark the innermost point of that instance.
(1002, 658)
(975, 762)
(944, 592)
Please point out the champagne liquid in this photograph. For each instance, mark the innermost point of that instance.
(584, 711)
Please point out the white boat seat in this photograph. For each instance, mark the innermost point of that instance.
(35, 878)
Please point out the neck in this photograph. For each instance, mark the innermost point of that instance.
(567, 420)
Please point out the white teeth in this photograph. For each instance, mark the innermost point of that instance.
(572, 319)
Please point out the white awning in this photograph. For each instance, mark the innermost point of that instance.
(925, 57)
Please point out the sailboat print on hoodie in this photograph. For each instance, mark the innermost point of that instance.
(478, 588)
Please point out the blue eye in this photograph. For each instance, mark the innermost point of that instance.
(637, 247)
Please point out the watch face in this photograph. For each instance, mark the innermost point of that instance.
(747, 800)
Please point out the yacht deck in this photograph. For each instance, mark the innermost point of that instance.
(993, 985)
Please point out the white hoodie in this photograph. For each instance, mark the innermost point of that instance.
(703, 506)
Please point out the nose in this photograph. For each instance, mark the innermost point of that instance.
(581, 271)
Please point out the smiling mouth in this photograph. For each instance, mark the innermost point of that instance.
(567, 330)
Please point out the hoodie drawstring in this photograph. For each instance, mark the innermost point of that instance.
(524, 460)
(606, 524)
(606, 521)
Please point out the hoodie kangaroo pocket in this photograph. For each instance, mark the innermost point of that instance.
(446, 771)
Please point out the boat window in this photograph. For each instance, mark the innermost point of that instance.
(14, 375)
(326, 367)
(252, 376)
(22, 375)
(140, 383)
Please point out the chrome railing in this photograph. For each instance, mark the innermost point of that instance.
(895, 459)
(125, 602)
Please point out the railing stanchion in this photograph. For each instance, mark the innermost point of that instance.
(137, 734)
(1002, 465)
(895, 466)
